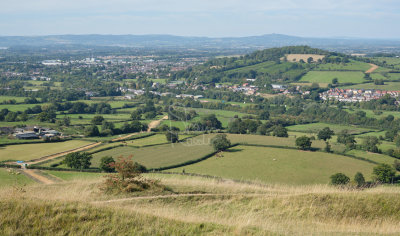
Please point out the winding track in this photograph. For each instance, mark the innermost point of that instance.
(372, 69)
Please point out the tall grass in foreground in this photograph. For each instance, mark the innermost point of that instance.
(201, 206)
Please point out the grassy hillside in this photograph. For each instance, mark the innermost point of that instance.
(274, 165)
(199, 206)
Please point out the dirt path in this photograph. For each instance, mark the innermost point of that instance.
(156, 123)
(372, 69)
(33, 174)
(50, 157)
(123, 137)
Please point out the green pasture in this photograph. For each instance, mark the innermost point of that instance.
(73, 175)
(376, 157)
(316, 127)
(26, 152)
(327, 76)
(390, 86)
(7, 98)
(351, 66)
(9, 177)
(161, 155)
(278, 166)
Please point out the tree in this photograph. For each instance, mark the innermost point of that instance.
(78, 160)
(325, 134)
(220, 142)
(280, 131)
(303, 142)
(97, 120)
(172, 136)
(397, 141)
(359, 179)
(92, 131)
(335, 81)
(264, 115)
(347, 139)
(105, 164)
(339, 179)
(369, 144)
(396, 165)
(383, 173)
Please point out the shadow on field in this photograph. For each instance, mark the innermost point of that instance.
(234, 150)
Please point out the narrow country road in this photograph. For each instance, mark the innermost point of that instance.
(156, 123)
(372, 69)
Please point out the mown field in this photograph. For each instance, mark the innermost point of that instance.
(161, 155)
(316, 127)
(390, 86)
(351, 66)
(279, 166)
(327, 76)
(7, 98)
(26, 152)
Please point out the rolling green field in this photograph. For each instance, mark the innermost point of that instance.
(152, 140)
(17, 99)
(327, 76)
(161, 155)
(392, 86)
(26, 152)
(315, 127)
(379, 158)
(8, 179)
(351, 66)
(72, 175)
(278, 166)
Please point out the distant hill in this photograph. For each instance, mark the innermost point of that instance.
(264, 41)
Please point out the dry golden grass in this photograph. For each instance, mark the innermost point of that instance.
(304, 57)
(227, 207)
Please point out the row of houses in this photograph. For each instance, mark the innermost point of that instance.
(356, 95)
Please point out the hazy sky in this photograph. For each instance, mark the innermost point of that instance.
(215, 18)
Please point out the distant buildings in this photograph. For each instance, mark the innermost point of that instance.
(356, 95)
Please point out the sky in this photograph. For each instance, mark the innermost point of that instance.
(212, 18)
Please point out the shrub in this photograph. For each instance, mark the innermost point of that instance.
(172, 136)
(339, 179)
(303, 142)
(128, 177)
(105, 164)
(359, 179)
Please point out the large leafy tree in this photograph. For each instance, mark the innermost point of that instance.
(220, 142)
(325, 134)
(78, 160)
(383, 173)
(303, 142)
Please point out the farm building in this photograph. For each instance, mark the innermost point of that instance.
(26, 135)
